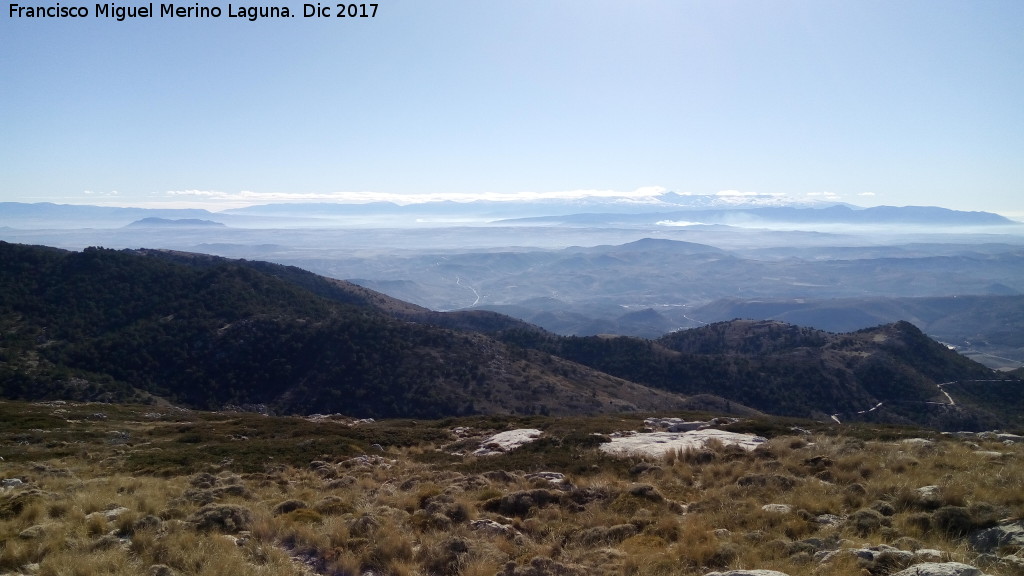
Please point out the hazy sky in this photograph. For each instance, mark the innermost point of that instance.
(897, 102)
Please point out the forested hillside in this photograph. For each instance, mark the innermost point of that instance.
(889, 373)
(122, 325)
(210, 332)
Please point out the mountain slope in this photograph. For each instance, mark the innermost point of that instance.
(209, 332)
(890, 373)
(976, 325)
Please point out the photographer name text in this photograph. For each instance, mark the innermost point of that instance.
(121, 13)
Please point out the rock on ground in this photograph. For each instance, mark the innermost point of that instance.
(991, 539)
(659, 443)
(940, 569)
(926, 569)
(507, 441)
(748, 573)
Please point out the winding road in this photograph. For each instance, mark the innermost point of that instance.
(950, 401)
(943, 390)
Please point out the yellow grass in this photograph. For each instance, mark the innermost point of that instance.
(89, 511)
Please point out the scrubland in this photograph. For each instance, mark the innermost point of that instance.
(93, 489)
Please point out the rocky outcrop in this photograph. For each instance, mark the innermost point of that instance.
(940, 569)
(660, 443)
(680, 425)
(924, 569)
(1009, 534)
(748, 573)
(507, 441)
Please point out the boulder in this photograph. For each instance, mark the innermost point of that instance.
(494, 528)
(657, 444)
(675, 424)
(507, 441)
(881, 559)
(918, 442)
(940, 569)
(929, 497)
(996, 537)
(748, 573)
(829, 519)
(109, 515)
(555, 479)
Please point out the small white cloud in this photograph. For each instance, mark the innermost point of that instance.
(677, 223)
(199, 193)
(742, 194)
(866, 194)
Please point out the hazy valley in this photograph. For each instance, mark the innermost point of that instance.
(621, 268)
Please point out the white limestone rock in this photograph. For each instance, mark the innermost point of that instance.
(507, 441)
(657, 444)
(917, 442)
(929, 554)
(554, 479)
(940, 569)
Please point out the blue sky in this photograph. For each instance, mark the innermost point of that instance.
(870, 102)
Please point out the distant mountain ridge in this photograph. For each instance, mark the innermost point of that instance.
(753, 216)
(153, 222)
(667, 207)
(47, 214)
